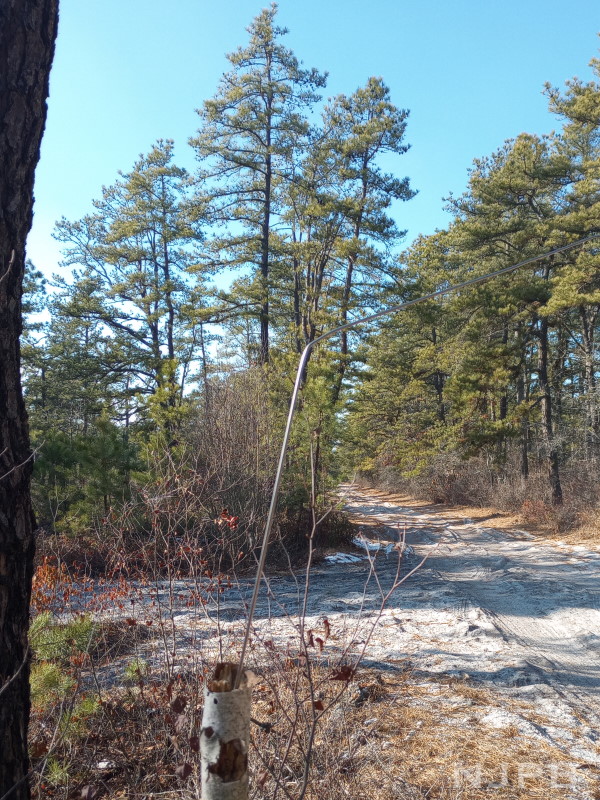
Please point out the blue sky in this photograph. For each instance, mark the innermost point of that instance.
(471, 72)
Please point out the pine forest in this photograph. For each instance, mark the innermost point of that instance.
(169, 341)
(424, 623)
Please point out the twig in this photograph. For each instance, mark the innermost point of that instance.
(13, 677)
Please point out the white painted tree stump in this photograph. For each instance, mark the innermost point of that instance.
(225, 736)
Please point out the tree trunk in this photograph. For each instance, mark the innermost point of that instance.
(524, 443)
(351, 263)
(588, 318)
(225, 735)
(205, 382)
(343, 364)
(264, 242)
(546, 408)
(264, 271)
(27, 35)
(439, 380)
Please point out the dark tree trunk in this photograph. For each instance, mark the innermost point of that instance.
(503, 409)
(524, 443)
(588, 318)
(297, 312)
(439, 381)
(205, 382)
(546, 409)
(344, 360)
(27, 35)
(264, 268)
(522, 382)
(351, 263)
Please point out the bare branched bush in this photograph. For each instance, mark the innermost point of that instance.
(124, 714)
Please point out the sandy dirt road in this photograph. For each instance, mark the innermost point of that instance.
(499, 609)
(522, 616)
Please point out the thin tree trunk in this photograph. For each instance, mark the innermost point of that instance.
(521, 398)
(546, 409)
(592, 431)
(204, 368)
(439, 381)
(522, 386)
(297, 312)
(27, 34)
(343, 364)
(265, 234)
(503, 408)
(351, 263)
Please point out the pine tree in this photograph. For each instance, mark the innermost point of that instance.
(249, 134)
(478, 368)
(338, 234)
(399, 411)
(576, 282)
(507, 214)
(365, 127)
(132, 259)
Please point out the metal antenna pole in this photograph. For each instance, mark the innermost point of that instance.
(294, 399)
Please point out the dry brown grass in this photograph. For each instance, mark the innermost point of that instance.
(415, 741)
(382, 735)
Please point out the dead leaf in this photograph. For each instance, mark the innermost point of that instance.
(179, 704)
(38, 748)
(262, 779)
(343, 673)
(183, 771)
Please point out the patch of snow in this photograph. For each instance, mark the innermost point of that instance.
(366, 544)
(385, 545)
(343, 558)
(497, 718)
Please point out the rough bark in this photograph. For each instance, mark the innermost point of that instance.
(439, 381)
(27, 36)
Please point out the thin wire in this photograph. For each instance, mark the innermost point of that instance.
(293, 401)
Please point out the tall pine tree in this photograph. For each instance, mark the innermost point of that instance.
(250, 131)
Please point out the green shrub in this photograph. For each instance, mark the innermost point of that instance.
(54, 641)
